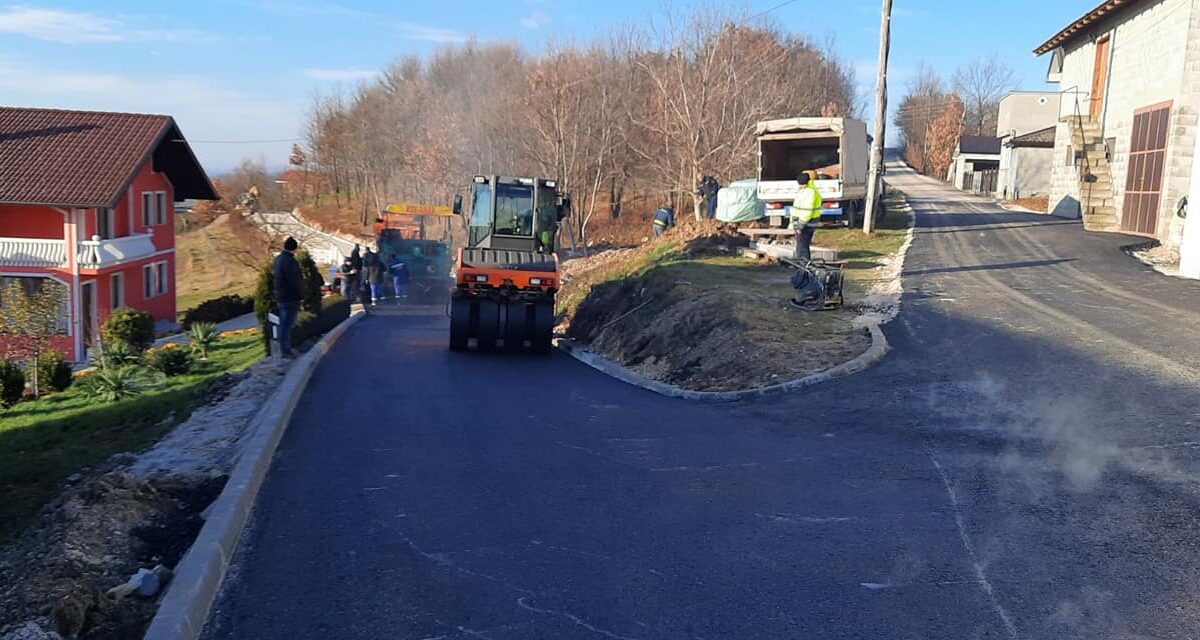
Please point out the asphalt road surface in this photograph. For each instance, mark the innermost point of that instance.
(1022, 464)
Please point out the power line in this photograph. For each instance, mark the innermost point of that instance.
(778, 6)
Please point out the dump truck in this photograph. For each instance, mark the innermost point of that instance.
(506, 276)
(833, 151)
(402, 232)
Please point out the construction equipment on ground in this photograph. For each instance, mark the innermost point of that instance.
(818, 284)
(507, 274)
(402, 233)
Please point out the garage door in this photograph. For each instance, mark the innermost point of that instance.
(1143, 180)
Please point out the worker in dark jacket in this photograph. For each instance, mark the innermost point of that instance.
(664, 219)
(373, 269)
(289, 290)
(400, 278)
(349, 278)
(706, 190)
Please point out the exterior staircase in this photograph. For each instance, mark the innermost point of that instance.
(1097, 199)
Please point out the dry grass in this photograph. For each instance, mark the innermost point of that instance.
(1035, 203)
(203, 270)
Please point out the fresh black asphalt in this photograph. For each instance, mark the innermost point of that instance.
(1022, 464)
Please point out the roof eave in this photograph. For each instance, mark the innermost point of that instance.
(1071, 31)
(65, 205)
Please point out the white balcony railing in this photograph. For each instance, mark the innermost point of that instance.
(97, 253)
(32, 252)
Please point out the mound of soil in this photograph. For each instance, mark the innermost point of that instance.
(696, 335)
(93, 537)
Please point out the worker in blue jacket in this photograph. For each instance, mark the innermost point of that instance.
(664, 219)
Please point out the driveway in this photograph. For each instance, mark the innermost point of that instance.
(1021, 465)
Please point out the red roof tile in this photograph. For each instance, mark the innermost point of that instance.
(86, 158)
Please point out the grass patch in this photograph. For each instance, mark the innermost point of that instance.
(44, 441)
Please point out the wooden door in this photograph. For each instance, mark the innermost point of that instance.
(1099, 78)
(1144, 173)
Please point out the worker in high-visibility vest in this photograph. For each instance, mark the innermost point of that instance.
(806, 213)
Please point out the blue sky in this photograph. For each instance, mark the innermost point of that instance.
(245, 70)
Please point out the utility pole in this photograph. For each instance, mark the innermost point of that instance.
(874, 182)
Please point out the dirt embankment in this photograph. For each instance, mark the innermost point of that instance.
(687, 311)
(133, 512)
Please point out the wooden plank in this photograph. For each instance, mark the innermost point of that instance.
(747, 231)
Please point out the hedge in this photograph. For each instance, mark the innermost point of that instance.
(334, 309)
(218, 310)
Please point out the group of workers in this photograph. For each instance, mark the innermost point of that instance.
(805, 212)
(362, 277)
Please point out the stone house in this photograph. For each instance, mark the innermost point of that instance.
(1129, 72)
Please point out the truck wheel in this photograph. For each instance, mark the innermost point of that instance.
(488, 326)
(516, 329)
(852, 216)
(543, 326)
(460, 324)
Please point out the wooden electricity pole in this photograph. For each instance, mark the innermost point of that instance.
(874, 182)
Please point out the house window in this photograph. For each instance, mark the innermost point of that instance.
(116, 290)
(31, 286)
(1070, 159)
(163, 280)
(148, 284)
(160, 208)
(104, 223)
(147, 208)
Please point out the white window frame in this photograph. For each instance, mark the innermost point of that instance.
(147, 208)
(116, 290)
(160, 207)
(162, 278)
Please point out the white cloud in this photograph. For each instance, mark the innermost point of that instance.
(340, 75)
(70, 27)
(535, 20)
(415, 31)
(78, 27)
(204, 109)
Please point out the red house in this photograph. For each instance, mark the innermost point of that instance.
(87, 199)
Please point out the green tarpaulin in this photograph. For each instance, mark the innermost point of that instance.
(739, 202)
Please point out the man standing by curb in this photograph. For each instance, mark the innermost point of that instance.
(806, 213)
(289, 290)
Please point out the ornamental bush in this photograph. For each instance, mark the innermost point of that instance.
(130, 326)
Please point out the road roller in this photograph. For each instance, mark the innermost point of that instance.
(506, 276)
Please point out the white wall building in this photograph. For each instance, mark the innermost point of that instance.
(1129, 72)
(1025, 125)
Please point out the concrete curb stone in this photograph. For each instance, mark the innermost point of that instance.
(184, 608)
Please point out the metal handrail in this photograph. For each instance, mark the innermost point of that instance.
(1088, 176)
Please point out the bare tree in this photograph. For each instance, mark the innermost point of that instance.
(639, 112)
(981, 83)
